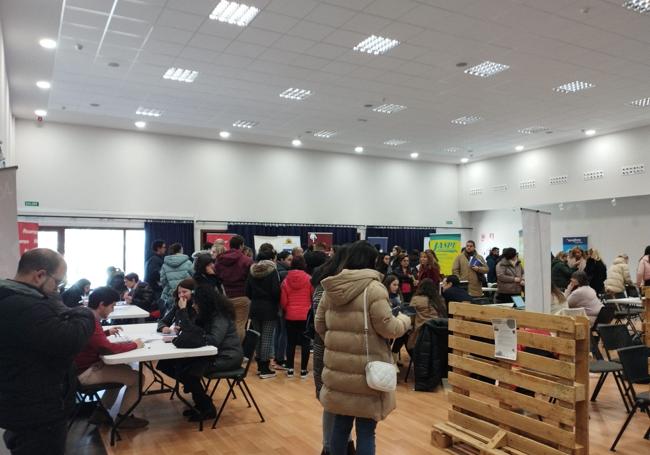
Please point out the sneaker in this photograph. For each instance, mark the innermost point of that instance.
(290, 372)
(100, 416)
(133, 422)
(267, 374)
(303, 374)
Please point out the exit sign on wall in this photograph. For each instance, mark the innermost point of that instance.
(31, 203)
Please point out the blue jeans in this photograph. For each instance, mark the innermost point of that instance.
(280, 339)
(365, 429)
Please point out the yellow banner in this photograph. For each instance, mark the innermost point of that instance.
(446, 247)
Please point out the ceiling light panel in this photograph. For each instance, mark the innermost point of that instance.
(486, 69)
(389, 108)
(533, 130)
(453, 149)
(466, 120)
(234, 13)
(376, 45)
(180, 75)
(638, 6)
(325, 134)
(572, 87)
(245, 124)
(642, 102)
(297, 94)
(395, 142)
(148, 112)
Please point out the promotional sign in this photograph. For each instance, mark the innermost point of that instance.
(381, 243)
(577, 241)
(27, 236)
(280, 242)
(213, 237)
(321, 237)
(446, 247)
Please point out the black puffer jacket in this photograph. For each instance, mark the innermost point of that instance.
(39, 337)
(430, 355)
(142, 296)
(263, 288)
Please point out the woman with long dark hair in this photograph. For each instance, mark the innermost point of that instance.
(73, 296)
(405, 275)
(204, 272)
(355, 299)
(429, 267)
(428, 305)
(383, 263)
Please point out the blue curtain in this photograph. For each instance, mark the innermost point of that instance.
(409, 238)
(169, 231)
(341, 234)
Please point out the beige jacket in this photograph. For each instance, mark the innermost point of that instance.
(462, 270)
(340, 322)
(423, 313)
(618, 276)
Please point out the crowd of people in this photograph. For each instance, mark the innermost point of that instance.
(320, 299)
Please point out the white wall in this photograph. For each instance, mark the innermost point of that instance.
(624, 228)
(607, 153)
(75, 170)
(6, 118)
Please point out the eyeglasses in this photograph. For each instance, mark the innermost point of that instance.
(57, 281)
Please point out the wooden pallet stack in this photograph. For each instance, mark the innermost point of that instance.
(536, 405)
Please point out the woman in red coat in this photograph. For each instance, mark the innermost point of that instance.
(429, 267)
(295, 298)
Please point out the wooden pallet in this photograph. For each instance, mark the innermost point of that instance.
(536, 405)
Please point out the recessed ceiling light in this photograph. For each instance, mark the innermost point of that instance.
(533, 130)
(638, 6)
(234, 13)
(40, 112)
(180, 75)
(389, 108)
(326, 134)
(245, 124)
(486, 69)
(140, 124)
(519, 148)
(641, 102)
(47, 43)
(466, 120)
(358, 149)
(224, 134)
(296, 142)
(395, 142)
(464, 160)
(376, 45)
(572, 87)
(297, 94)
(414, 155)
(453, 149)
(590, 132)
(45, 85)
(148, 112)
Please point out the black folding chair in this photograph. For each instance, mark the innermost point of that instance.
(237, 377)
(635, 368)
(605, 316)
(613, 337)
(90, 393)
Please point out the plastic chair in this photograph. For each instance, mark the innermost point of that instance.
(635, 367)
(237, 377)
(91, 391)
(605, 316)
(613, 337)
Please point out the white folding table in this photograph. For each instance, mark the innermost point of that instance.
(154, 349)
(128, 312)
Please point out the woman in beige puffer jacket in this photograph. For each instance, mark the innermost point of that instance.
(340, 322)
(618, 275)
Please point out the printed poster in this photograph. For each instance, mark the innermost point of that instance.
(321, 237)
(381, 243)
(212, 237)
(446, 247)
(577, 241)
(280, 242)
(27, 236)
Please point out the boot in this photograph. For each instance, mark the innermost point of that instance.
(265, 371)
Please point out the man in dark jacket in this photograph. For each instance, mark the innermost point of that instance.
(153, 266)
(39, 337)
(492, 259)
(284, 263)
(315, 257)
(452, 292)
(232, 269)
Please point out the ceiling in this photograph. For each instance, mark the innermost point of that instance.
(308, 44)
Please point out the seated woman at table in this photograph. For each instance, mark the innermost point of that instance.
(74, 294)
(580, 295)
(213, 325)
(184, 290)
(92, 370)
(428, 305)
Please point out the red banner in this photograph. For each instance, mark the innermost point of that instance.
(212, 237)
(27, 236)
(321, 237)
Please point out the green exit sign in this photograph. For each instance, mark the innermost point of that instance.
(450, 222)
(31, 203)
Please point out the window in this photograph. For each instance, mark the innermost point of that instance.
(89, 252)
(48, 239)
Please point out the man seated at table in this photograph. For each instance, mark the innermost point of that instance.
(140, 294)
(452, 292)
(91, 369)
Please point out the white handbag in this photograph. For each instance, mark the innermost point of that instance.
(380, 375)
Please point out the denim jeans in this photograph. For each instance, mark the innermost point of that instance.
(365, 429)
(280, 339)
(328, 425)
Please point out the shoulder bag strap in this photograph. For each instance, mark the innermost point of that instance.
(365, 322)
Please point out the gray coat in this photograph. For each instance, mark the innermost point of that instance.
(506, 274)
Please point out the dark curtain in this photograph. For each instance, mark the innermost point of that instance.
(408, 238)
(341, 234)
(169, 231)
